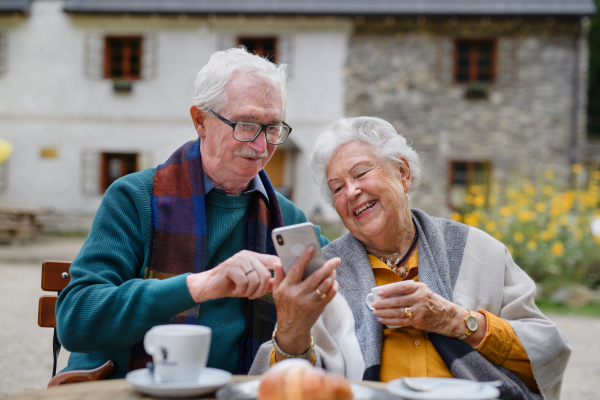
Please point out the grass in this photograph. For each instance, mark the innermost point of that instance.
(548, 307)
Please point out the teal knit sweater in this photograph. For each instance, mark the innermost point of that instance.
(107, 307)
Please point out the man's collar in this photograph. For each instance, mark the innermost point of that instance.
(255, 185)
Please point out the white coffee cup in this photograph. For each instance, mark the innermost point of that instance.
(179, 352)
(374, 296)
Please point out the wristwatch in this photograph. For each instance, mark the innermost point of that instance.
(472, 325)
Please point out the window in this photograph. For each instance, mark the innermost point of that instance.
(475, 61)
(3, 177)
(265, 46)
(280, 169)
(3, 53)
(468, 178)
(115, 165)
(122, 57)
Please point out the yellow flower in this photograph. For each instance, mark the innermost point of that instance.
(493, 200)
(490, 226)
(511, 193)
(475, 189)
(455, 216)
(526, 216)
(530, 190)
(546, 235)
(510, 249)
(499, 236)
(577, 235)
(532, 245)
(549, 174)
(468, 199)
(576, 168)
(540, 207)
(518, 236)
(548, 190)
(479, 200)
(505, 211)
(471, 219)
(596, 175)
(558, 248)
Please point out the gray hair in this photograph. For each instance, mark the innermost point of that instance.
(213, 78)
(390, 146)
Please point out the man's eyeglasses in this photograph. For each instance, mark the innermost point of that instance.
(249, 131)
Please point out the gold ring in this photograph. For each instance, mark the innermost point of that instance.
(408, 313)
(323, 295)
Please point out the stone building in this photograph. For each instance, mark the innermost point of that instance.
(483, 94)
(93, 89)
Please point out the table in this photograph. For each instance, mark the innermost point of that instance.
(19, 224)
(118, 389)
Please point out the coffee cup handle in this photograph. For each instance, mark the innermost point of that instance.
(149, 342)
(369, 300)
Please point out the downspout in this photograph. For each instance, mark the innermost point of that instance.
(576, 101)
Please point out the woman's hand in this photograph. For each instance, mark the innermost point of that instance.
(430, 311)
(245, 274)
(298, 303)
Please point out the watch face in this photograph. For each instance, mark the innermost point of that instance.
(472, 323)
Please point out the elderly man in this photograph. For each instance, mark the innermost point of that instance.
(189, 241)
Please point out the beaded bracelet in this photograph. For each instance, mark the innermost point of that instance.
(288, 355)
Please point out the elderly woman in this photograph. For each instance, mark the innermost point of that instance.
(460, 307)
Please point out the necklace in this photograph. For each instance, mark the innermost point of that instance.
(394, 261)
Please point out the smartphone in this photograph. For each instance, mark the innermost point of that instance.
(290, 241)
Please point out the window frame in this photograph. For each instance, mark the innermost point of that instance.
(126, 62)
(470, 176)
(472, 72)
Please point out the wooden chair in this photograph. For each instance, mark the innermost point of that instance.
(55, 277)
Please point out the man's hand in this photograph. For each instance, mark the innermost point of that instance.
(245, 274)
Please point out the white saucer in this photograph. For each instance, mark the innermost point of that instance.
(448, 389)
(210, 380)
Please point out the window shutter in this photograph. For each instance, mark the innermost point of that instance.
(285, 52)
(144, 161)
(149, 56)
(90, 172)
(94, 55)
(3, 53)
(506, 68)
(445, 62)
(227, 41)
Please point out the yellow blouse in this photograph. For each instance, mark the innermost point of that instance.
(409, 352)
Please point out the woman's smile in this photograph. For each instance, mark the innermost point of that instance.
(364, 208)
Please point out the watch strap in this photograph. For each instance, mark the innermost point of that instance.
(468, 332)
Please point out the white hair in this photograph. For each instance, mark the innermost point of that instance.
(213, 78)
(389, 146)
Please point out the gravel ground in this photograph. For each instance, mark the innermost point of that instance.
(26, 349)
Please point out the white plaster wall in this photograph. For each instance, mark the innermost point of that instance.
(47, 100)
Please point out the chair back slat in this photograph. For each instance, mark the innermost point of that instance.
(55, 275)
(46, 312)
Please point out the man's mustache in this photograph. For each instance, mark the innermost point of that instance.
(249, 152)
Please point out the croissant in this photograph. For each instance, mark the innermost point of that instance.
(296, 379)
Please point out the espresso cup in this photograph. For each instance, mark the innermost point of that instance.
(179, 352)
(374, 296)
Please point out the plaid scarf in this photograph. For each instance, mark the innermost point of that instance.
(178, 244)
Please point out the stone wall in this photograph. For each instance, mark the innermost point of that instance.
(401, 70)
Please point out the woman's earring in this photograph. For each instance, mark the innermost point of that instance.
(406, 195)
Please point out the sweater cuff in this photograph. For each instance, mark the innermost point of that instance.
(495, 346)
(172, 295)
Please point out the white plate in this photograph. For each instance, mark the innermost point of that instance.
(446, 389)
(210, 380)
